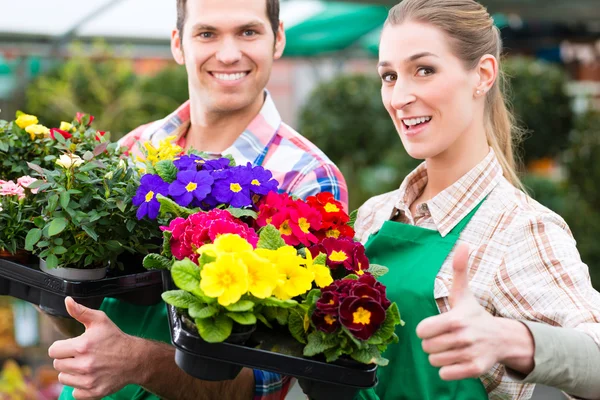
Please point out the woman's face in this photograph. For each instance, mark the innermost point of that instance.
(427, 91)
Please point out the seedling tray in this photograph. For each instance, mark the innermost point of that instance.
(270, 350)
(27, 282)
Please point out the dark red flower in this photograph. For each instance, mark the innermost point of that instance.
(360, 263)
(329, 303)
(341, 288)
(340, 252)
(366, 291)
(362, 316)
(325, 322)
(370, 280)
(64, 134)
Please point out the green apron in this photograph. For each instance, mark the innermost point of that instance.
(414, 257)
(141, 321)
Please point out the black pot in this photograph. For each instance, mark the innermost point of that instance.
(209, 369)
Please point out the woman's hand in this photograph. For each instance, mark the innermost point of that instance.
(467, 341)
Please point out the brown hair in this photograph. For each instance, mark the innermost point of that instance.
(472, 35)
(272, 13)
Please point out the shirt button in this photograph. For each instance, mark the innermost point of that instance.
(423, 208)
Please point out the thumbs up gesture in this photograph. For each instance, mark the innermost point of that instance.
(97, 363)
(465, 341)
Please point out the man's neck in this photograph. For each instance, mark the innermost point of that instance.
(214, 132)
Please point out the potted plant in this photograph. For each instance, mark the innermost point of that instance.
(16, 214)
(87, 219)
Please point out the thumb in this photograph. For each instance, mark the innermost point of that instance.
(85, 315)
(460, 281)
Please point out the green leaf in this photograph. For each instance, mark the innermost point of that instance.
(51, 261)
(166, 247)
(332, 355)
(121, 205)
(113, 245)
(353, 216)
(386, 330)
(199, 310)
(58, 250)
(242, 318)
(186, 276)
(130, 225)
(321, 259)
(377, 270)
(168, 206)
(318, 344)
(52, 203)
(39, 222)
(262, 319)
(215, 330)
(296, 325)
(204, 259)
(270, 238)
(91, 232)
(56, 226)
(370, 355)
(36, 184)
(242, 305)
(313, 296)
(166, 170)
(65, 198)
(179, 298)
(156, 261)
(240, 212)
(33, 236)
(278, 314)
(274, 302)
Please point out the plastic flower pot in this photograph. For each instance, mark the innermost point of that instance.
(211, 369)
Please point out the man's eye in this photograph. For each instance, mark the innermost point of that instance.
(205, 35)
(249, 33)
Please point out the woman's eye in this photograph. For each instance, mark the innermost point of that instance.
(388, 77)
(425, 71)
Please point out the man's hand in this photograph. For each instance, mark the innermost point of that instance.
(99, 362)
(467, 341)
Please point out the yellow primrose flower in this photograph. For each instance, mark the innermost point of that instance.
(226, 278)
(298, 280)
(65, 126)
(25, 120)
(263, 277)
(37, 130)
(228, 243)
(166, 150)
(322, 273)
(68, 161)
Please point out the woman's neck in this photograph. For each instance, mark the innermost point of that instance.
(446, 168)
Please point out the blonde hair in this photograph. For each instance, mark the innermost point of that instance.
(472, 35)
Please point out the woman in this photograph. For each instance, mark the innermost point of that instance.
(523, 310)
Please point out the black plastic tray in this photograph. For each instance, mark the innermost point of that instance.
(223, 361)
(27, 282)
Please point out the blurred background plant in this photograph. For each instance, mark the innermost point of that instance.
(108, 88)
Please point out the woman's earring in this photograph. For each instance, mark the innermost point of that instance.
(478, 92)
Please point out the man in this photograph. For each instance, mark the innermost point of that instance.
(228, 48)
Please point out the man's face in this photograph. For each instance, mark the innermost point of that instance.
(228, 49)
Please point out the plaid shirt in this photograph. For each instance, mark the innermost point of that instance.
(298, 165)
(524, 263)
